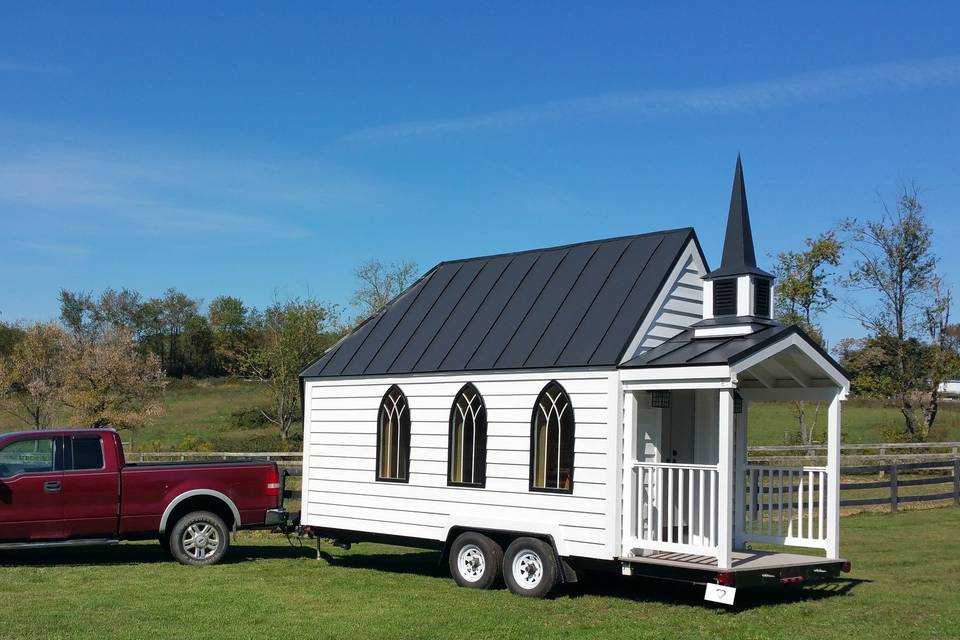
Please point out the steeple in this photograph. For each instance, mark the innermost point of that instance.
(739, 257)
(737, 297)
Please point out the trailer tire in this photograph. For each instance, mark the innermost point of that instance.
(199, 538)
(475, 560)
(530, 568)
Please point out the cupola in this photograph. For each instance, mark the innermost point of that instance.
(737, 297)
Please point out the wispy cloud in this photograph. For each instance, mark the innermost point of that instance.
(822, 86)
(121, 187)
(64, 249)
(12, 66)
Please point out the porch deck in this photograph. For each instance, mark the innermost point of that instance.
(742, 560)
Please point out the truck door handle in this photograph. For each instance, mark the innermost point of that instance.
(52, 487)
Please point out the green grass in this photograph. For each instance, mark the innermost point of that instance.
(862, 421)
(204, 410)
(903, 586)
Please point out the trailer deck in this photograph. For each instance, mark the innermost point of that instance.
(750, 568)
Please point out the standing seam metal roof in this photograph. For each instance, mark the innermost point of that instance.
(570, 306)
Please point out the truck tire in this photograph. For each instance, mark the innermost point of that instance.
(530, 568)
(475, 560)
(199, 538)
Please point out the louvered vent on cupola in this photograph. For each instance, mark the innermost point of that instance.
(761, 297)
(725, 297)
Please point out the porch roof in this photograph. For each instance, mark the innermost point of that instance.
(686, 350)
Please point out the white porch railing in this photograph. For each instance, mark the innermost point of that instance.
(676, 507)
(785, 505)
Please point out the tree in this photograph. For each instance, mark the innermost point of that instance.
(802, 295)
(896, 265)
(291, 335)
(109, 382)
(10, 335)
(228, 318)
(32, 374)
(379, 284)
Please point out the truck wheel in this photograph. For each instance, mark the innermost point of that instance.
(530, 568)
(199, 538)
(475, 560)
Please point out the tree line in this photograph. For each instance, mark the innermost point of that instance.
(894, 289)
(107, 357)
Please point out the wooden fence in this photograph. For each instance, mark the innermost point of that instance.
(931, 464)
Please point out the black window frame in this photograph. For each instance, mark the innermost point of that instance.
(403, 441)
(720, 289)
(479, 441)
(569, 457)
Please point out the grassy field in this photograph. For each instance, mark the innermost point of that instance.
(903, 586)
(205, 412)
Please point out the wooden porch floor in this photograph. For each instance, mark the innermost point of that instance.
(742, 560)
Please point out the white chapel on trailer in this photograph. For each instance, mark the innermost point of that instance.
(538, 412)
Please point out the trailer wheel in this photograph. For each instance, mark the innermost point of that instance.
(530, 568)
(475, 560)
(199, 538)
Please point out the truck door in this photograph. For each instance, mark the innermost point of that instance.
(30, 489)
(91, 488)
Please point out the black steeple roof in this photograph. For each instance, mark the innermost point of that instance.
(739, 257)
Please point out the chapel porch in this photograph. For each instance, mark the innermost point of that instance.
(689, 495)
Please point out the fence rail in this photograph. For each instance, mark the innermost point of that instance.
(933, 469)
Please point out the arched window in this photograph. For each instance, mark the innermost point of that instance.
(468, 439)
(393, 437)
(551, 441)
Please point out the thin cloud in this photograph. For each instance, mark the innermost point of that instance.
(822, 86)
(114, 187)
(56, 248)
(10, 66)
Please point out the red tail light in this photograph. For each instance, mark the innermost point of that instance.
(273, 483)
(726, 579)
(845, 567)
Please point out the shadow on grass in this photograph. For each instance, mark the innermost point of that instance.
(681, 593)
(140, 553)
(426, 563)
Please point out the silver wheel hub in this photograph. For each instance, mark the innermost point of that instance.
(471, 563)
(200, 540)
(527, 569)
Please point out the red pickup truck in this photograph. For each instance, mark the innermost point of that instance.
(73, 487)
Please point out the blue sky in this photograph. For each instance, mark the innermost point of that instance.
(264, 151)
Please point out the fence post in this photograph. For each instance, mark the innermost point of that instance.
(956, 482)
(893, 488)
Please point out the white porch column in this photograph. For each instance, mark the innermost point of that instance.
(833, 478)
(725, 486)
(739, 485)
(628, 490)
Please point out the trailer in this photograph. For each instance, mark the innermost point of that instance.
(540, 413)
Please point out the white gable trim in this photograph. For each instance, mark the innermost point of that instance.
(808, 350)
(678, 304)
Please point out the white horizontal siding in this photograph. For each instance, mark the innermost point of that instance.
(340, 490)
(679, 305)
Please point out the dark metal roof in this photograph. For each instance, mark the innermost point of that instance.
(686, 350)
(739, 257)
(570, 306)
